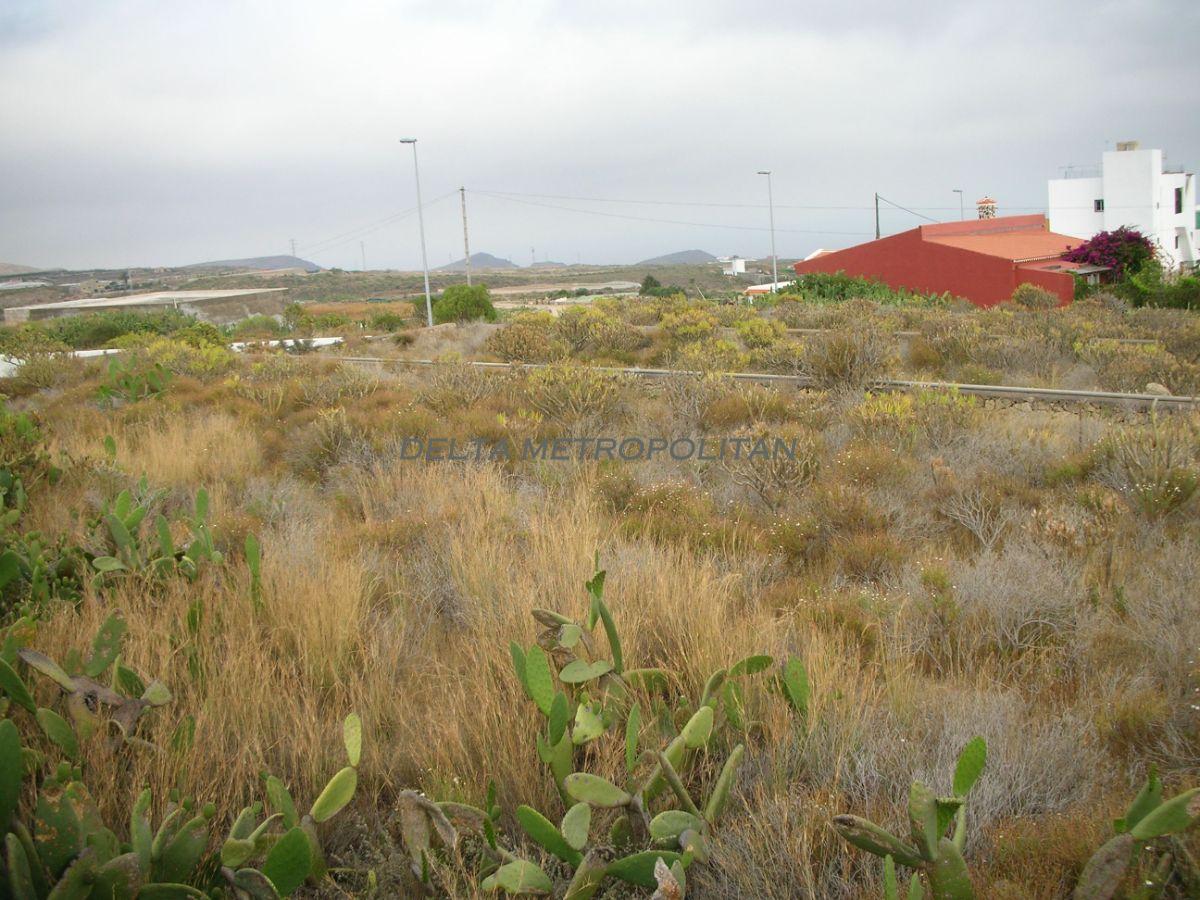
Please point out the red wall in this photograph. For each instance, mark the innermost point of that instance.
(1055, 282)
(904, 260)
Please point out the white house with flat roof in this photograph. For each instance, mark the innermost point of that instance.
(1133, 189)
(732, 265)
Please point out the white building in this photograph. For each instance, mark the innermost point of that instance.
(1133, 190)
(732, 265)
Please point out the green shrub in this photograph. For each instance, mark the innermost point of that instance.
(597, 331)
(642, 312)
(1155, 286)
(463, 303)
(566, 392)
(258, 326)
(328, 322)
(529, 337)
(388, 321)
(577, 325)
(652, 287)
(24, 341)
(616, 338)
(688, 325)
(955, 339)
(1030, 296)
(196, 354)
(44, 362)
(745, 403)
(99, 329)
(757, 333)
(710, 355)
(820, 287)
(898, 420)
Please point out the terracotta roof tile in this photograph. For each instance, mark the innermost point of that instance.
(1019, 245)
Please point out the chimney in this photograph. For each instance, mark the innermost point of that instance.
(986, 207)
(1127, 145)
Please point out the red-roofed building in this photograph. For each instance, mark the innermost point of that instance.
(982, 260)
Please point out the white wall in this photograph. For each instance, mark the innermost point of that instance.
(1182, 225)
(1071, 206)
(1136, 194)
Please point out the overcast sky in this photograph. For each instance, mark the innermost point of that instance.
(155, 132)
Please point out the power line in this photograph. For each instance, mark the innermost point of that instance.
(354, 234)
(611, 215)
(645, 202)
(905, 208)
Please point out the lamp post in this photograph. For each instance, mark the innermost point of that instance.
(421, 225)
(774, 258)
(960, 203)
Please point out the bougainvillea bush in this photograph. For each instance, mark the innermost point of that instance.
(1124, 250)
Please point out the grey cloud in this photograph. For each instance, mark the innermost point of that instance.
(139, 132)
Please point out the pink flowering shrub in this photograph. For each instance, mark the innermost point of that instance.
(1124, 250)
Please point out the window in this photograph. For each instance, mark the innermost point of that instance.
(1098, 206)
(1178, 200)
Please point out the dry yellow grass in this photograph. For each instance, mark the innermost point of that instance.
(393, 588)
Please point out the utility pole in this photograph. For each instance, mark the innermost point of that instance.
(363, 248)
(293, 246)
(462, 192)
(877, 216)
(774, 258)
(960, 203)
(421, 225)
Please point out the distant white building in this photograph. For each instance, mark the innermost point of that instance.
(732, 265)
(1132, 189)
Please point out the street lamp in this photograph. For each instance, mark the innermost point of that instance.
(960, 203)
(421, 224)
(774, 258)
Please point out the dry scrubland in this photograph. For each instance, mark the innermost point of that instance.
(341, 285)
(1091, 345)
(941, 570)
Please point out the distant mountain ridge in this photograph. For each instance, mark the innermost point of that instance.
(16, 269)
(478, 261)
(259, 262)
(680, 258)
